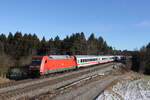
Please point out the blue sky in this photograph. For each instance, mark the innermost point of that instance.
(124, 24)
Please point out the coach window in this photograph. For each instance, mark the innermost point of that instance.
(84, 60)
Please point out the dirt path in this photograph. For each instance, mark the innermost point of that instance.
(89, 91)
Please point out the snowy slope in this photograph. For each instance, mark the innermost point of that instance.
(138, 89)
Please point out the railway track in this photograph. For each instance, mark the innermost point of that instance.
(15, 83)
(8, 84)
(37, 87)
(18, 84)
(64, 89)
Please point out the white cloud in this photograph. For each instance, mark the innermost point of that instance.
(143, 24)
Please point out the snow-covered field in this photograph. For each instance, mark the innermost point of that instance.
(137, 89)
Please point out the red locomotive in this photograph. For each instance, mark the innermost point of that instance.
(42, 65)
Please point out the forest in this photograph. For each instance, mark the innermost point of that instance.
(18, 48)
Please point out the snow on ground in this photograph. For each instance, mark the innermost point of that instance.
(137, 89)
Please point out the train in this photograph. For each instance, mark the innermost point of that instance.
(45, 65)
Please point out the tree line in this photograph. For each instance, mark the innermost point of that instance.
(16, 49)
(141, 59)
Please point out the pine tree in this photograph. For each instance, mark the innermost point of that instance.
(17, 46)
(42, 47)
(9, 44)
(51, 47)
(92, 46)
(57, 45)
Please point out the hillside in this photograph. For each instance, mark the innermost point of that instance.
(133, 87)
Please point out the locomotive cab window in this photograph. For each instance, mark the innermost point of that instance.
(36, 61)
(45, 61)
